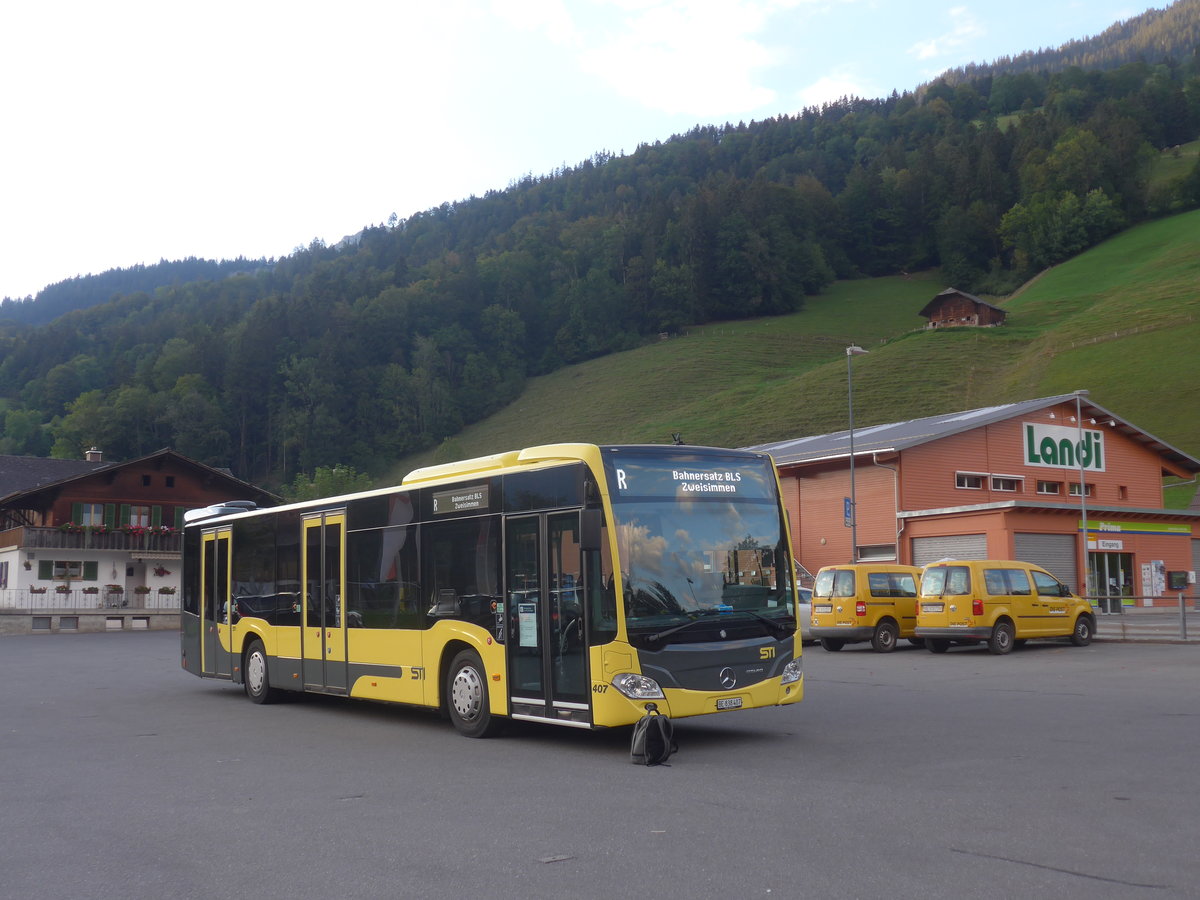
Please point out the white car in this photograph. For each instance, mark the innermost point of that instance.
(804, 615)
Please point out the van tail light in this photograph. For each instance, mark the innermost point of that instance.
(860, 608)
(977, 607)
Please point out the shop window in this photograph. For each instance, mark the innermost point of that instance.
(1049, 487)
(1006, 483)
(877, 553)
(971, 481)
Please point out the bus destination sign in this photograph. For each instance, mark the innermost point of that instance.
(463, 499)
(696, 477)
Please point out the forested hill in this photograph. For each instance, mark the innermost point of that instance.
(379, 347)
(1155, 36)
(89, 290)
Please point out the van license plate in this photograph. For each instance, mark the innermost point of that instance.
(729, 703)
(823, 608)
(932, 607)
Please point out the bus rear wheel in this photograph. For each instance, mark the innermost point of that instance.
(467, 697)
(257, 676)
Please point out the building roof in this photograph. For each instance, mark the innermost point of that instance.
(929, 307)
(22, 473)
(897, 436)
(22, 477)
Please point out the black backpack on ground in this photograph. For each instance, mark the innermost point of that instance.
(653, 738)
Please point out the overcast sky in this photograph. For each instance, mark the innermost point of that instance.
(139, 131)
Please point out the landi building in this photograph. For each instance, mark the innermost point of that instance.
(1001, 483)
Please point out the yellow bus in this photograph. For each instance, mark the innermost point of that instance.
(569, 584)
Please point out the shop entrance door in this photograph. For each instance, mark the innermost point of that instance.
(1110, 578)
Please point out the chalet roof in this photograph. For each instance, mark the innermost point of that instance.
(929, 307)
(897, 436)
(22, 477)
(21, 473)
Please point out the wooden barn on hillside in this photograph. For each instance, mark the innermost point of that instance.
(953, 307)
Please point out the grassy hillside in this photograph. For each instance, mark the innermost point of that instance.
(1122, 321)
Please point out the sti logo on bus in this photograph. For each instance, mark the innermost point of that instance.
(1060, 447)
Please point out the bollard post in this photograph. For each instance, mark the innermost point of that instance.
(1182, 616)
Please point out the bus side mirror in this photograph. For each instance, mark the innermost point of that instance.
(590, 522)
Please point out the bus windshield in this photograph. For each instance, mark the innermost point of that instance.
(699, 538)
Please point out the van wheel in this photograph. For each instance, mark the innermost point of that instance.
(886, 635)
(1082, 635)
(832, 644)
(937, 645)
(467, 697)
(1001, 641)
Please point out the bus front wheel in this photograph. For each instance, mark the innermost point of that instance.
(257, 678)
(467, 696)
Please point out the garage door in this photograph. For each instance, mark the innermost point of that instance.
(1058, 554)
(959, 546)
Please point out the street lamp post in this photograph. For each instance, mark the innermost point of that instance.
(1083, 572)
(852, 351)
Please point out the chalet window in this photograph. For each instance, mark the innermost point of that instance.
(1091, 489)
(170, 481)
(139, 515)
(972, 481)
(145, 481)
(1008, 483)
(1049, 487)
(63, 569)
(90, 514)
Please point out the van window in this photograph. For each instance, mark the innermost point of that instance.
(1047, 585)
(834, 583)
(941, 580)
(892, 584)
(1018, 583)
(843, 583)
(1007, 582)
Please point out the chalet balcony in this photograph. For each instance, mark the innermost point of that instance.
(133, 540)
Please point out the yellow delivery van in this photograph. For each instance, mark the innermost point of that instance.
(1003, 602)
(873, 602)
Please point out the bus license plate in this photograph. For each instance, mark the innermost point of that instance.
(823, 608)
(729, 703)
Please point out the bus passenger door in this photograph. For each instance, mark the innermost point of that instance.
(215, 624)
(323, 591)
(547, 645)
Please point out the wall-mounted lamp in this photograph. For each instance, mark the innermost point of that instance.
(1053, 416)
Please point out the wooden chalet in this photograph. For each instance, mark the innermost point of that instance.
(956, 308)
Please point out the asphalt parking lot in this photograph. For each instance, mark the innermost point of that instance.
(1054, 771)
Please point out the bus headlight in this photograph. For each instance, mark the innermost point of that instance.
(638, 687)
(792, 672)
